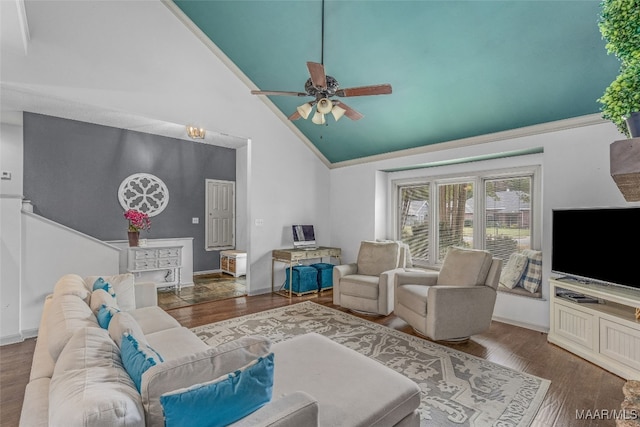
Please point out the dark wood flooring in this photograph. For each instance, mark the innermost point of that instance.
(576, 385)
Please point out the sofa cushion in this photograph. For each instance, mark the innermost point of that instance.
(124, 287)
(153, 319)
(90, 387)
(35, 406)
(222, 401)
(374, 258)
(105, 314)
(94, 397)
(68, 313)
(88, 348)
(100, 283)
(137, 357)
(122, 322)
(465, 267)
(514, 270)
(174, 343)
(196, 368)
(42, 364)
(100, 297)
(72, 284)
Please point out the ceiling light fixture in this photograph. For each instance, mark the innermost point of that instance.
(195, 133)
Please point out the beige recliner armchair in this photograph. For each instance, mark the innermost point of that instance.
(367, 285)
(454, 303)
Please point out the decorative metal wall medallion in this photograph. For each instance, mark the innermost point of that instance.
(144, 192)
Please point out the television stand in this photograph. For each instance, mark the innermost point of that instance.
(605, 333)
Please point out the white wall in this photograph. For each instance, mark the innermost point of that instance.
(50, 251)
(10, 228)
(154, 67)
(575, 173)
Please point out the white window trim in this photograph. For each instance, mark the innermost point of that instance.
(478, 178)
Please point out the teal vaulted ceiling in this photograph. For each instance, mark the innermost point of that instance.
(458, 68)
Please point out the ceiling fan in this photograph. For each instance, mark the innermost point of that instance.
(323, 87)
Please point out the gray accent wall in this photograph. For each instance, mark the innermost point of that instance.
(72, 172)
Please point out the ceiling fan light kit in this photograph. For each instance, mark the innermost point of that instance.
(324, 106)
(337, 112)
(304, 110)
(318, 118)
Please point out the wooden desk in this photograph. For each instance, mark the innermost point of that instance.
(294, 255)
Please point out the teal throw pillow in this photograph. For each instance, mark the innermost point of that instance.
(100, 283)
(222, 401)
(137, 357)
(105, 313)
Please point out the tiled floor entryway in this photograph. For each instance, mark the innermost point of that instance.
(207, 287)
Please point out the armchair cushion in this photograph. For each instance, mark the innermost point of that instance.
(414, 297)
(374, 258)
(359, 285)
(465, 267)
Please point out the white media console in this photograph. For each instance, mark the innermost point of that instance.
(605, 333)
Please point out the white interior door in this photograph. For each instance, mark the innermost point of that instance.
(221, 215)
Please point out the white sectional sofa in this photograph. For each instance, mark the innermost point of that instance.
(78, 377)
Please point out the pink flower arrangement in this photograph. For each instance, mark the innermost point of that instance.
(137, 220)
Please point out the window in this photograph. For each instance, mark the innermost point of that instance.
(507, 215)
(500, 220)
(455, 221)
(414, 220)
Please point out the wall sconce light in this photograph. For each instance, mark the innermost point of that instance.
(195, 133)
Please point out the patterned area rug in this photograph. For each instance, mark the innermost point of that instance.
(457, 388)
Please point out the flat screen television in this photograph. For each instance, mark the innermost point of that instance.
(303, 235)
(597, 244)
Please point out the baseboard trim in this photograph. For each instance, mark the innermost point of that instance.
(196, 273)
(521, 324)
(11, 339)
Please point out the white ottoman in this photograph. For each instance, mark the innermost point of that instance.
(351, 389)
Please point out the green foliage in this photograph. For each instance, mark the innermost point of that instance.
(622, 97)
(620, 27)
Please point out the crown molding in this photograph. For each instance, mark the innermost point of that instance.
(555, 126)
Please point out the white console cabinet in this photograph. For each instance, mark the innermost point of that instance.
(163, 258)
(605, 333)
(157, 260)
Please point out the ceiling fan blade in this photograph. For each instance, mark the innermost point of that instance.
(383, 89)
(295, 116)
(277, 92)
(350, 112)
(318, 77)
